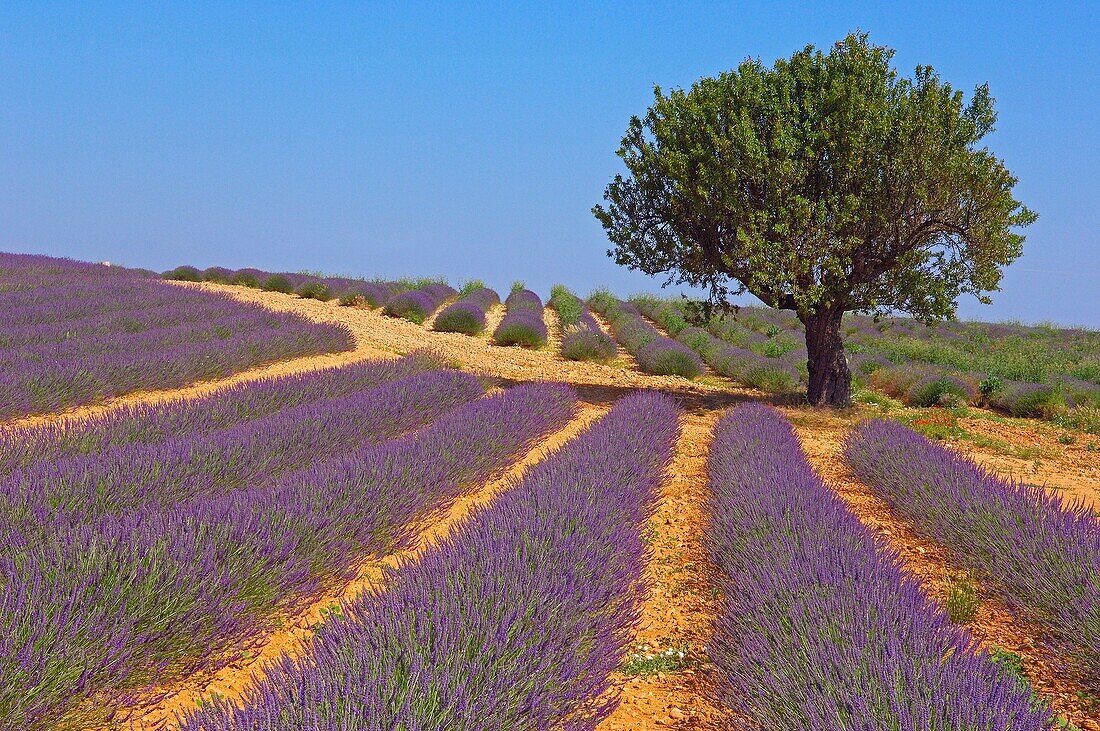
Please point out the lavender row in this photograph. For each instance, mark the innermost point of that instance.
(45, 328)
(364, 292)
(741, 364)
(50, 386)
(923, 384)
(654, 352)
(582, 337)
(467, 314)
(78, 333)
(1039, 553)
(819, 626)
(149, 423)
(218, 324)
(417, 305)
(515, 623)
(523, 322)
(52, 496)
(92, 619)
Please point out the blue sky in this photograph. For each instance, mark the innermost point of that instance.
(433, 139)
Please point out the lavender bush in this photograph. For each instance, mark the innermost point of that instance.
(163, 589)
(1039, 553)
(74, 333)
(350, 291)
(666, 357)
(819, 626)
(418, 304)
(467, 315)
(523, 323)
(582, 338)
(516, 622)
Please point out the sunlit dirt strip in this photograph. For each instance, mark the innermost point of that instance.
(680, 607)
(429, 323)
(994, 625)
(492, 319)
(232, 681)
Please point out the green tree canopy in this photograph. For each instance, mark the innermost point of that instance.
(822, 184)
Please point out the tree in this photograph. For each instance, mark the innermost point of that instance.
(822, 184)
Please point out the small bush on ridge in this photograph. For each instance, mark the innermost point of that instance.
(460, 318)
(314, 291)
(277, 283)
(183, 274)
(220, 275)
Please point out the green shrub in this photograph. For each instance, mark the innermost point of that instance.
(696, 339)
(991, 385)
(938, 392)
(731, 332)
(778, 346)
(518, 286)
(1085, 418)
(1011, 664)
(566, 304)
(277, 283)
(962, 601)
(471, 285)
(183, 274)
(602, 301)
(358, 299)
(1045, 403)
(314, 291)
(771, 379)
(245, 280)
(220, 275)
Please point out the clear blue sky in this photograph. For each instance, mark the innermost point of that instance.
(416, 139)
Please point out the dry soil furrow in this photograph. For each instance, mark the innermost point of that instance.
(553, 330)
(233, 680)
(492, 320)
(680, 607)
(932, 565)
(430, 322)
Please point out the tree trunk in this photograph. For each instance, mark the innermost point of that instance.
(830, 380)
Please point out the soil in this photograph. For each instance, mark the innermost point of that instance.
(679, 609)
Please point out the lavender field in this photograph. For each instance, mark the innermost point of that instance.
(679, 561)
